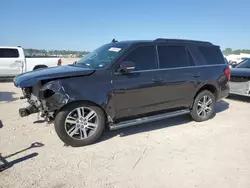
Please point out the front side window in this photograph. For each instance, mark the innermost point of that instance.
(172, 56)
(244, 64)
(8, 53)
(104, 55)
(144, 58)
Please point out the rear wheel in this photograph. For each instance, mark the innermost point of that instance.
(40, 67)
(203, 107)
(80, 124)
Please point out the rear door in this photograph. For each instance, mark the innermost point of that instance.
(134, 93)
(180, 78)
(11, 62)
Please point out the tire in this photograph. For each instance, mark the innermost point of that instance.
(40, 67)
(84, 135)
(199, 111)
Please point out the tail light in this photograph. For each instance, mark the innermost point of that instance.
(227, 72)
(59, 63)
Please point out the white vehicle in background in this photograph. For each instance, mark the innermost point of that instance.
(13, 62)
(235, 59)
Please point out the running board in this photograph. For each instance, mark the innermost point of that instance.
(148, 119)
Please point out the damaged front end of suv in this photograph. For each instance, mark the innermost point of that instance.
(45, 98)
(48, 90)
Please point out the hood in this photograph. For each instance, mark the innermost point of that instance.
(29, 79)
(240, 72)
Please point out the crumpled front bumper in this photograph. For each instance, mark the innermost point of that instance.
(46, 99)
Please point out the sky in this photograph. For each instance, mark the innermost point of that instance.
(85, 25)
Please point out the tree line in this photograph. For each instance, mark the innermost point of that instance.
(229, 51)
(44, 52)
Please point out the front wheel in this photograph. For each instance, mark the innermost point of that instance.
(80, 124)
(203, 106)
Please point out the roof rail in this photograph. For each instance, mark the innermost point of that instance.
(182, 41)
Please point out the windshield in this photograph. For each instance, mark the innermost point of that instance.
(244, 64)
(104, 55)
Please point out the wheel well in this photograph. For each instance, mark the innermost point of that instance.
(210, 88)
(86, 102)
(40, 66)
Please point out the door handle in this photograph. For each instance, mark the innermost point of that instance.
(197, 75)
(157, 80)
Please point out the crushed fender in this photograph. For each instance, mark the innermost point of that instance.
(54, 96)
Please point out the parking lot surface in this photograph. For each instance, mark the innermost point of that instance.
(173, 153)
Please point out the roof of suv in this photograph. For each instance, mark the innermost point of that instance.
(162, 40)
(182, 41)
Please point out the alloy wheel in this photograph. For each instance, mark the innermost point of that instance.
(81, 123)
(204, 107)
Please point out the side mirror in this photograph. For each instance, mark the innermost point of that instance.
(126, 67)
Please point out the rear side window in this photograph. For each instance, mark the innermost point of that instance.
(212, 55)
(143, 57)
(8, 53)
(174, 56)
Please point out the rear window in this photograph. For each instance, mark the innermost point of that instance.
(212, 55)
(244, 64)
(8, 53)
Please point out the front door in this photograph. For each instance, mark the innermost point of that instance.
(134, 91)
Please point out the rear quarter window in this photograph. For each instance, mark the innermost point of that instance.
(8, 53)
(212, 55)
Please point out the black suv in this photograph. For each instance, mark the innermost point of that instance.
(126, 83)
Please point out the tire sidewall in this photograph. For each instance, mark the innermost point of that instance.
(194, 113)
(60, 125)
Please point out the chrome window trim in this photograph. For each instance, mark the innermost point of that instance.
(176, 68)
(157, 56)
